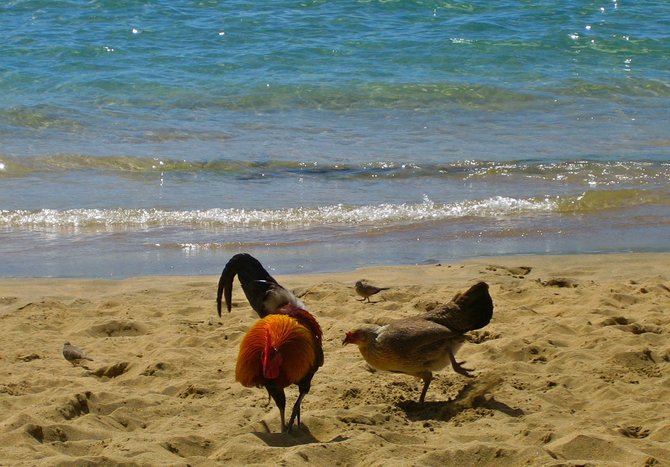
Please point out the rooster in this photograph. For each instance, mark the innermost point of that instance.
(419, 345)
(282, 348)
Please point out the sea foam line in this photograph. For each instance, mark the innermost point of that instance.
(381, 214)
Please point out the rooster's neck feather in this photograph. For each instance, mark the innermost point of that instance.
(292, 348)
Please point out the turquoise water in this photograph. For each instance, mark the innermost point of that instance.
(161, 138)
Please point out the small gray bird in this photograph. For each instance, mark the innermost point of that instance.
(366, 290)
(74, 355)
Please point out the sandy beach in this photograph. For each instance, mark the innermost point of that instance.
(574, 369)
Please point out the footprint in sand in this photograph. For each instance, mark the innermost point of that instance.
(633, 431)
(624, 324)
(518, 271)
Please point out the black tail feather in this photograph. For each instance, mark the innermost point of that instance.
(255, 280)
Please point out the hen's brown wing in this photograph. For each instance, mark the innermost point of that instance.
(414, 345)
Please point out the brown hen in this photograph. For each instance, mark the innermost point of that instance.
(420, 345)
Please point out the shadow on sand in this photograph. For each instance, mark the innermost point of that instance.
(297, 437)
(472, 396)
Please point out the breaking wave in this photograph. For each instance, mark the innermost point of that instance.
(337, 214)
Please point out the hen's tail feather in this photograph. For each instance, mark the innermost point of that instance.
(470, 310)
(477, 303)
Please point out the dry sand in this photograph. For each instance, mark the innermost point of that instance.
(574, 369)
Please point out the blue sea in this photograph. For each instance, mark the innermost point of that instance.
(157, 137)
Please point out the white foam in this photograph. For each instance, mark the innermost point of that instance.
(338, 214)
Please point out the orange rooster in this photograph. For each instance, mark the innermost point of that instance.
(284, 347)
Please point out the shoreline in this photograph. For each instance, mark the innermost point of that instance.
(574, 367)
(274, 260)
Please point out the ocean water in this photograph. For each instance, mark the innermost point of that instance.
(162, 137)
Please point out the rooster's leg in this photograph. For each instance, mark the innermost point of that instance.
(427, 377)
(303, 387)
(295, 414)
(279, 397)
